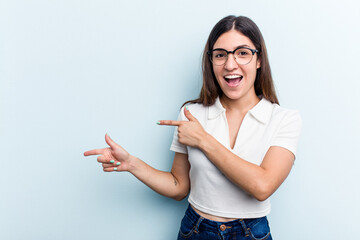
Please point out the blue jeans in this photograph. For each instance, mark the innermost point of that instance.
(195, 227)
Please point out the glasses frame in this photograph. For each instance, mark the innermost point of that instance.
(253, 51)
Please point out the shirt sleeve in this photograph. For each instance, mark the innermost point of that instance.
(176, 146)
(288, 132)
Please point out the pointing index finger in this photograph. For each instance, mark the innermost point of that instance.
(169, 122)
(94, 152)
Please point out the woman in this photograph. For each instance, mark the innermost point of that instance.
(239, 142)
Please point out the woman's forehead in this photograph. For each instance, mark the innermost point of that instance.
(232, 39)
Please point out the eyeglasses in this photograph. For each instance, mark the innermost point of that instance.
(242, 55)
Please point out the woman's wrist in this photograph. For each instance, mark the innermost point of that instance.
(204, 141)
(133, 163)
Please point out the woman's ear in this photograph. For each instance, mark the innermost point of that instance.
(258, 63)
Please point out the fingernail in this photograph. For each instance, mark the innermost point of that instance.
(115, 169)
(112, 161)
(118, 163)
(187, 108)
(158, 123)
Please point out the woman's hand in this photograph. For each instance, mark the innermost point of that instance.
(114, 158)
(190, 133)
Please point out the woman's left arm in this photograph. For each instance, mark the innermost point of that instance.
(259, 181)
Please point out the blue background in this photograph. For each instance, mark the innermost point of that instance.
(70, 71)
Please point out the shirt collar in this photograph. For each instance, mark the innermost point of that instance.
(261, 111)
(216, 109)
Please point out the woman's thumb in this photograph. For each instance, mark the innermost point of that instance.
(110, 142)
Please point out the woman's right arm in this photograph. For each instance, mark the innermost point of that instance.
(174, 184)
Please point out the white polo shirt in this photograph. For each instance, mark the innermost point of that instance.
(265, 125)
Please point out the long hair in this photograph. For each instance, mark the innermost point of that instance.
(263, 82)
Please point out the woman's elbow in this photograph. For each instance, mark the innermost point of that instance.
(261, 196)
(262, 192)
(180, 196)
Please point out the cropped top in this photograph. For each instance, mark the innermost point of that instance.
(265, 125)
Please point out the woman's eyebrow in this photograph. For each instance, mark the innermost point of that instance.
(243, 45)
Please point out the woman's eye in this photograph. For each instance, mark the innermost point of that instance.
(220, 55)
(243, 52)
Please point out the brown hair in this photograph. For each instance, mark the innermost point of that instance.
(263, 83)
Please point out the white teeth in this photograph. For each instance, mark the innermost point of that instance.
(232, 76)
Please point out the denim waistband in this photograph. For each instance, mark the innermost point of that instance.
(209, 225)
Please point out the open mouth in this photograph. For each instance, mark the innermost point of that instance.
(233, 80)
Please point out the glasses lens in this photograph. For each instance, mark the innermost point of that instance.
(243, 56)
(219, 57)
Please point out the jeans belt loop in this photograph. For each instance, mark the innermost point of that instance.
(196, 230)
(243, 225)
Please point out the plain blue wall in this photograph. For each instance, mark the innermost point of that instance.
(70, 71)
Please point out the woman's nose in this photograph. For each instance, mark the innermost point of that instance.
(231, 63)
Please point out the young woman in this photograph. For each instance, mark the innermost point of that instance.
(234, 145)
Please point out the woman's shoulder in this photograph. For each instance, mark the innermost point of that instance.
(196, 107)
(282, 111)
(198, 110)
(286, 115)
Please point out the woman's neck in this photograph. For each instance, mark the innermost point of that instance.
(242, 105)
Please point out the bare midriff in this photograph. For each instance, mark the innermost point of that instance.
(212, 217)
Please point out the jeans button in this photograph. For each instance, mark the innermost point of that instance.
(222, 227)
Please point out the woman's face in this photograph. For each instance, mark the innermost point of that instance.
(236, 81)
